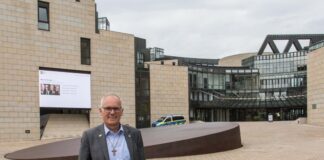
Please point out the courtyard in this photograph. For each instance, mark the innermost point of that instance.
(282, 140)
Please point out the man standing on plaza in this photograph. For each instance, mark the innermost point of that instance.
(111, 140)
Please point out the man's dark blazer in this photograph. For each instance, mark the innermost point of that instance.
(94, 145)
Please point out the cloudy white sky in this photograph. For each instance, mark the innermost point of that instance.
(211, 28)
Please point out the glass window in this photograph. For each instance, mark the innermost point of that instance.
(194, 94)
(178, 118)
(292, 82)
(194, 80)
(211, 98)
(140, 58)
(205, 82)
(227, 78)
(210, 81)
(200, 80)
(85, 51)
(168, 119)
(206, 97)
(43, 15)
(216, 81)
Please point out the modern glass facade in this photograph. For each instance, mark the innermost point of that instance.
(214, 90)
(103, 23)
(142, 85)
(156, 53)
(264, 84)
(281, 74)
(317, 45)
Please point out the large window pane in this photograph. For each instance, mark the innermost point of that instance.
(85, 51)
(43, 15)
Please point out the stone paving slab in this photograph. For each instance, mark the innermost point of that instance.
(261, 141)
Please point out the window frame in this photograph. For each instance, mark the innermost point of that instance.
(87, 56)
(45, 5)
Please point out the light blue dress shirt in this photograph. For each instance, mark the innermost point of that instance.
(118, 141)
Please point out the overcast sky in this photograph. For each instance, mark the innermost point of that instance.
(211, 28)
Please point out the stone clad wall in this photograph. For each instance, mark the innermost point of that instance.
(315, 87)
(24, 48)
(168, 90)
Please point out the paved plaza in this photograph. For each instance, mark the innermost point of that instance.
(261, 141)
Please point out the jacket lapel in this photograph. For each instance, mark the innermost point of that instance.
(129, 142)
(102, 140)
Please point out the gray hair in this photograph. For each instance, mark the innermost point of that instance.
(109, 95)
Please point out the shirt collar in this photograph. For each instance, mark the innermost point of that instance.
(108, 131)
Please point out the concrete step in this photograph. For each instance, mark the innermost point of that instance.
(65, 126)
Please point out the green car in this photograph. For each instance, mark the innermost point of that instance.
(169, 120)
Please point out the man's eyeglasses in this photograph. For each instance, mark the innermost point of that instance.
(110, 109)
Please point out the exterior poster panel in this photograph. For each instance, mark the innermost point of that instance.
(59, 89)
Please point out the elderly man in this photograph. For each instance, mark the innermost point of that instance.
(111, 140)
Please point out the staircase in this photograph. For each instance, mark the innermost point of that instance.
(61, 126)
